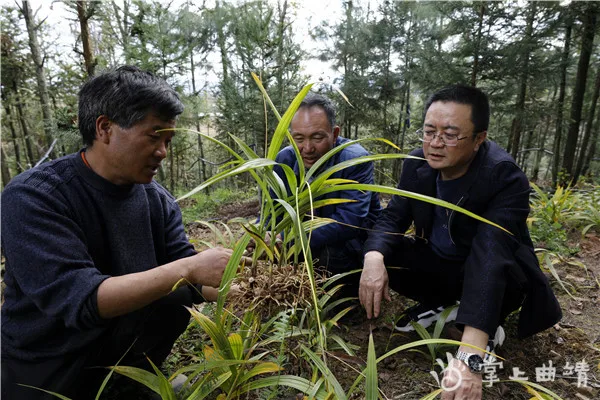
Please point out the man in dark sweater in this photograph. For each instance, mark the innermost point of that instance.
(452, 256)
(94, 247)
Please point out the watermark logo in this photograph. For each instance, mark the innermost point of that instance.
(547, 372)
(451, 376)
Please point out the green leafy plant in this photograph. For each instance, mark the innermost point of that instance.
(433, 348)
(550, 216)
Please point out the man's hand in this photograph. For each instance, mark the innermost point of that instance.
(373, 284)
(466, 384)
(208, 266)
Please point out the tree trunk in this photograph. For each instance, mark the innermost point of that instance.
(31, 154)
(88, 55)
(123, 25)
(560, 105)
(4, 167)
(280, 61)
(520, 106)
(593, 145)
(40, 74)
(15, 139)
(587, 43)
(588, 128)
(201, 164)
(475, 69)
(540, 153)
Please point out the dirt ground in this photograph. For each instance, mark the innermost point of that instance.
(572, 346)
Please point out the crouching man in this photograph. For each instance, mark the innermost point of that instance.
(94, 246)
(452, 256)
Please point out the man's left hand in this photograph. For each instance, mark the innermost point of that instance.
(466, 384)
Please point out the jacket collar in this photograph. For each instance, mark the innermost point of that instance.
(427, 181)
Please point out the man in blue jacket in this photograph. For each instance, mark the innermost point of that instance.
(338, 247)
(452, 256)
(94, 247)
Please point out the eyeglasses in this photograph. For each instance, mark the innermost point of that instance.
(448, 139)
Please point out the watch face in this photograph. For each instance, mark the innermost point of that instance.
(475, 363)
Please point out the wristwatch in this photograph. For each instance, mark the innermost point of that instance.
(473, 361)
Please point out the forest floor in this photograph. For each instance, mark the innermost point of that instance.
(563, 355)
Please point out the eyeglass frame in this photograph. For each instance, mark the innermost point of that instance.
(421, 134)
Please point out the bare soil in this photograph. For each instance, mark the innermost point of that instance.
(407, 375)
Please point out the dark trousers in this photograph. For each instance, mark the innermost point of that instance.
(149, 332)
(339, 259)
(417, 272)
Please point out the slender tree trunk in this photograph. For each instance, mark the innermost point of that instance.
(593, 145)
(88, 55)
(540, 153)
(15, 139)
(201, 164)
(520, 106)
(4, 167)
(31, 153)
(560, 105)
(475, 69)
(588, 128)
(587, 43)
(280, 60)
(123, 25)
(40, 74)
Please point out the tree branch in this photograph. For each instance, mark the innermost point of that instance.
(47, 153)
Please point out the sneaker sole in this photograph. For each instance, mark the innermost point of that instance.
(426, 319)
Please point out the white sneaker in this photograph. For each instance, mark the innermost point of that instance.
(493, 343)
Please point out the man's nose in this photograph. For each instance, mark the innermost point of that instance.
(437, 141)
(308, 146)
(161, 150)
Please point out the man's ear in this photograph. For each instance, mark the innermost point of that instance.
(103, 129)
(481, 136)
(336, 132)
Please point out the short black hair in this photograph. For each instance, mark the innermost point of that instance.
(126, 95)
(318, 100)
(469, 95)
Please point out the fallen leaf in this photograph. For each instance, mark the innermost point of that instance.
(574, 311)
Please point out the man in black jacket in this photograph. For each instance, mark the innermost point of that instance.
(452, 256)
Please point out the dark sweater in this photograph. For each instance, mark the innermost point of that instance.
(65, 229)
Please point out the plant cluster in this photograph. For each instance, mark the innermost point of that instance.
(554, 215)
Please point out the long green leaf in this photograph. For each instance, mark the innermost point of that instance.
(284, 123)
(146, 378)
(216, 334)
(262, 368)
(432, 395)
(296, 382)
(416, 196)
(325, 158)
(207, 388)
(230, 272)
(326, 372)
(371, 387)
(165, 389)
(60, 396)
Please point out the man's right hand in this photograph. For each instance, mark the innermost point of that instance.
(373, 284)
(208, 266)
